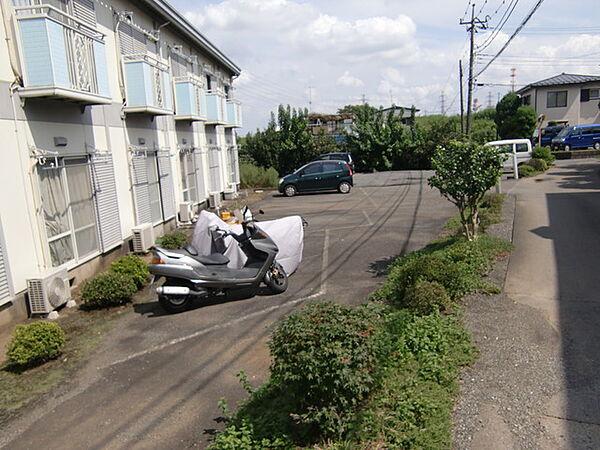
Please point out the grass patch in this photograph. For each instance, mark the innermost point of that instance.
(83, 332)
(490, 212)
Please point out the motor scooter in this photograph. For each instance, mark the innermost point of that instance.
(190, 275)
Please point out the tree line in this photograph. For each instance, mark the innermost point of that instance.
(379, 140)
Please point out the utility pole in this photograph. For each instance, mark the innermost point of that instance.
(462, 101)
(443, 103)
(309, 98)
(364, 99)
(473, 25)
(513, 79)
(489, 105)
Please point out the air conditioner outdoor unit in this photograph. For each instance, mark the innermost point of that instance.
(186, 212)
(143, 237)
(48, 292)
(215, 199)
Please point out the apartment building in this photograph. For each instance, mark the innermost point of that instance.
(117, 121)
(567, 98)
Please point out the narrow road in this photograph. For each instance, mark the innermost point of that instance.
(156, 379)
(554, 269)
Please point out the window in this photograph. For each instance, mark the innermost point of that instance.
(526, 99)
(556, 99)
(188, 177)
(153, 187)
(522, 148)
(313, 169)
(332, 167)
(594, 94)
(68, 209)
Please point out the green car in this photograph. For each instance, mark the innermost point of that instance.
(318, 176)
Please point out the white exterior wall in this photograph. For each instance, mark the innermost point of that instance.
(100, 128)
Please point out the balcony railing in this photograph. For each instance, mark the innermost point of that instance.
(190, 99)
(234, 113)
(62, 56)
(216, 111)
(147, 85)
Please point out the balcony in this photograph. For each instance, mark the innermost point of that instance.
(190, 99)
(234, 114)
(216, 109)
(62, 56)
(147, 85)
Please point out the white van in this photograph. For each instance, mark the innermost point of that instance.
(520, 147)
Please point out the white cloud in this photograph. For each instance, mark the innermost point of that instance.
(348, 80)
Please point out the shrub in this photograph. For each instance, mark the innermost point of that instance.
(327, 357)
(252, 176)
(107, 289)
(527, 171)
(457, 277)
(538, 164)
(133, 267)
(35, 343)
(543, 153)
(176, 239)
(426, 297)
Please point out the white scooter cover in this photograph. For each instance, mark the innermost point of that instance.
(287, 233)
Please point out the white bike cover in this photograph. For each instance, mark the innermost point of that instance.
(287, 233)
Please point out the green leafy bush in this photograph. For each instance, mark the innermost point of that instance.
(35, 343)
(543, 153)
(527, 171)
(327, 357)
(133, 267)
(176, 239)
(107, 289)
(252, 176)
(426, 297)
(538, 164)
(243, 437)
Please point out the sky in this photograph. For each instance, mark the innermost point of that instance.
(325, 54)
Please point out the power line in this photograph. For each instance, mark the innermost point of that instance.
(519, 28)
(505, 17)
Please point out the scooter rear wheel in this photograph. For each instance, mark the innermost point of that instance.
(174, 303)
(276, 279)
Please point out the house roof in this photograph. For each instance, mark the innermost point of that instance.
(562, 79)
(184, 26)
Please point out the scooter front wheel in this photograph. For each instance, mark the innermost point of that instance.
(276, 279)
(174, 303)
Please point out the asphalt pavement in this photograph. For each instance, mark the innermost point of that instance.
(156, 379)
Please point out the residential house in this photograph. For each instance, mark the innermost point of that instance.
(566, 98)
(333, 125)
(117, 119)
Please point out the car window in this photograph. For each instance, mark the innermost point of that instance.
(504, 148)
(522, 148)
(577, 132)
(332, 167)
(565, 131)
(313, 168)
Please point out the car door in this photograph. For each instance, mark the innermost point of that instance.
(310, 178)
(575, 141)
(332, 172)
(522, 150)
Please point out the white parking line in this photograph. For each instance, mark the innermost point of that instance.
(322, 291)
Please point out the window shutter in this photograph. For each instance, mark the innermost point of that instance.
(4, 286)
(140, 189)
(200, 180)
(166, 184)
(107, 207)
(84, 11)
(585, 95)
(132, 41)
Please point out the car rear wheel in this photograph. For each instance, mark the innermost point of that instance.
(597, 146)
(290, 190)
(344, 187)
(567, 148)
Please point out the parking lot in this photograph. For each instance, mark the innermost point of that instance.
(156, 380)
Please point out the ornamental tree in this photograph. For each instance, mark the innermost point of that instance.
(464, 172)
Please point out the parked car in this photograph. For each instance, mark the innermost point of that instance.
(318, 176)
(338, 156)
(548, 133)
(519, 147)
(581, 136)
